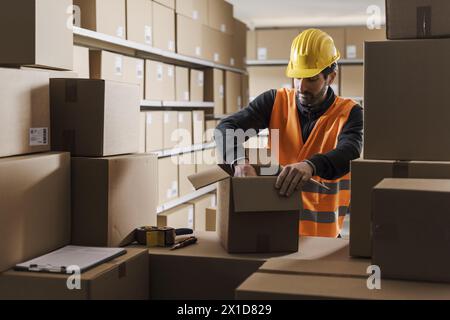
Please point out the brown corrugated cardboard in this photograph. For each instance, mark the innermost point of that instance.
(94, 117)
(36, 33)
(163, 27)
(211, 219)
(139, 21)
(366, 174)
(410, 227)
(159, 81)
(186, 168)
(179, 217)
(34, 206)
(216, 45)
(220, 272)
(251, 45)
(194, 9)
(167, 179)
(142, 133)
(167, 3)
(25, 112)
(239, 45)
(185, 129)
(106, 65)
(274, 44)
(233, 98)
(189, 37)
(267, 78)
(198, 127)
(355, 38)
(104, 16)
(123, 278)
(170, 129)
(416, 19)
(200, 206)
(154, 131)
(352, 81)
(182, 84)
(391, 103)
(133, 72)
(111, 197)
(215, 89)
(197, 85)
(220, 16)
(81, 61)
(267, 225)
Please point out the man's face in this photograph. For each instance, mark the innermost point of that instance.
(312, 91)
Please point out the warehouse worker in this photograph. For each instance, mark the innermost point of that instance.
(319, 134)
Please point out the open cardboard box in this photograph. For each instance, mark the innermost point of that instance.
(253, 217)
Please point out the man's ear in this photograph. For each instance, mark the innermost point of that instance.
(331, 77)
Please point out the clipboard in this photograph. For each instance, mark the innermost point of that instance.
(59, 261)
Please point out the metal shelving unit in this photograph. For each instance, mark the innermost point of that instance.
(178, 151)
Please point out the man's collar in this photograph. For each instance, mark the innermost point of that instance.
(319, 109)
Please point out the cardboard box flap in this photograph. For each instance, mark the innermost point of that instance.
(258, 194)
(431, 185)
(208, 177)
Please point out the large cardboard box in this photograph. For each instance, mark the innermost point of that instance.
(200, 206)
(81, 61)
(111, 197)
(25, 112)
(139, 21)
(400, 137)
(34, 206)
(210, 273)
(352, 81)
(189, 37)
(194, 9)
(217, 46)
(411, 229)
(179, 217)
(133, 72)
(233, 98)
(167, 3)
(182, 84)
(154, 140)
(197, 86)
(366, 174)
(416, 19)
(123, 278)
(167, 179)
(220, 16)
(268, 224)
(186, 168)
(159, 81)
(104, 16)
(239, 45)
(274, 44)
(171, 134)
(163, 27)
(215, 89)
(94, 117)
(356, 37)
(36, 33)
(198, 127)
(106, 65)
(185, 128)
(262, 79)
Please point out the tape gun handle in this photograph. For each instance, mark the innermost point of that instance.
(183, 231)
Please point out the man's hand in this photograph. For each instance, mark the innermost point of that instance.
(245, 170)
(293, 177)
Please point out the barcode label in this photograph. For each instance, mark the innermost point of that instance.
(159, 72)
(120, 31)
(38, 137)
(148, 35)
(140, 70)
(262, 53)
(200, 79)
(351, 52)
(216, 57)
(221, 91)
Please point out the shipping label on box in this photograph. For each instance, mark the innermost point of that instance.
(38, 137)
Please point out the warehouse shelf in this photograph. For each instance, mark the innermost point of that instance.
(186, 198)
(258, 63)
(177, 151)
(152, 104)
(102, 41)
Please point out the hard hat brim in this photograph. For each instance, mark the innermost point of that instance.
(301, 74)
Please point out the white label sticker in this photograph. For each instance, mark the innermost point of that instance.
(120, 31)
(174, 188)
(171, 45)
(148, 36)
(159, 72)
(38, 137)
(351, 52)
(180, 117)
(170, 71)
(140, 70)
(186, 95)
(191, 218)
(200, 79)
(221, 91)
(223, 27)
(232, 61)
(118, 65)
(216, 57)
(198, 51)
(195, 15)
(262, 53)
(149, 118)
(166, 117)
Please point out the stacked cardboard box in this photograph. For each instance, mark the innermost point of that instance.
(215, 89)
(233, 94)
(140, 21)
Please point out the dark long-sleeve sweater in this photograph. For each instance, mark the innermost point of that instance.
(330, 166)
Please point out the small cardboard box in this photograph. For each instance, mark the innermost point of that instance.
(189, 37)
(159, 81)
(253, 216)
(195, 9)
(215, 89)
(139, 21)
(163, 27)
(182, 84)
(233, 94)
(133, 72)
(197, 82)
(220, 16)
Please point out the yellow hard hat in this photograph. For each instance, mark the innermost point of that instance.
(312, 52)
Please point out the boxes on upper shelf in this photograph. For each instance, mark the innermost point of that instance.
(163, 27)
(220, 16)
(182, 84)
(194, 9)
(189, 37)
(139, 21)
(274, 44)
(197, 85)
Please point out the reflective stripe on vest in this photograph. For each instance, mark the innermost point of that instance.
(323, 211)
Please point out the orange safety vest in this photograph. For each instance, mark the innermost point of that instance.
(323, 211)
